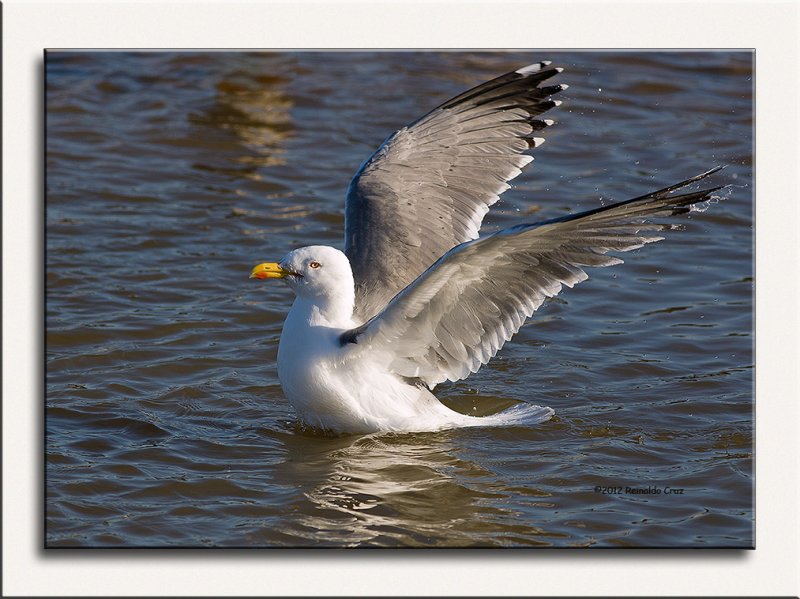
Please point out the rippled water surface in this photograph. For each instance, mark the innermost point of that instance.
(169, 175)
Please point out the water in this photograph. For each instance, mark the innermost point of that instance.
(169, 175)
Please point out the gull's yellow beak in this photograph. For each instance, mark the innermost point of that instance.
(268, 270)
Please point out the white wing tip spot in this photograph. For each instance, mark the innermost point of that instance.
(559, 69)
(548, 122)
(557, 102)
(533, 68)
(537, 141)
(563, 86)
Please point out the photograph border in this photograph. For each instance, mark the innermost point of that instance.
(29, 28)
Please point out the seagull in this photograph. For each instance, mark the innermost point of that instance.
(417, 297)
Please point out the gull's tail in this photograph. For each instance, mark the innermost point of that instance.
(522, 414)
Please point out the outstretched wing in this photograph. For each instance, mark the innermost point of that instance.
(428, 187)
(461, 311)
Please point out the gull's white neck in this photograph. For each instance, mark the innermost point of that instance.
(334, 308)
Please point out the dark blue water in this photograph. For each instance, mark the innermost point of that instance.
(169, 175)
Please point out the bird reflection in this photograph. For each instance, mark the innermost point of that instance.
(393, 490)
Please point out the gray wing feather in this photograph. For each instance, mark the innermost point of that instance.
(428, 187)
(460, 312)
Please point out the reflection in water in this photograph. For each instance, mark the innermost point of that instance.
(257, 110)
(398, 489)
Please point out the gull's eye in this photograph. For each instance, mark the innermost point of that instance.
(314, 264)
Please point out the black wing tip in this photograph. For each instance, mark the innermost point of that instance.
(700, 195)
(650, 203)
(666, 191)
(554, 89)
(522, 84)
(708, 173)
(688, 202)
(684, 201)
(539, 124)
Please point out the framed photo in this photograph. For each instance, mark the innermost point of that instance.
(170, 174)
(155, 420)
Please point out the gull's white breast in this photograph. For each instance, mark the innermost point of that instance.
(343, 388)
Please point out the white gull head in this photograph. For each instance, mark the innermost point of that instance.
(320, 277)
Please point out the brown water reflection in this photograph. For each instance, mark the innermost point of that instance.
(396, 491)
